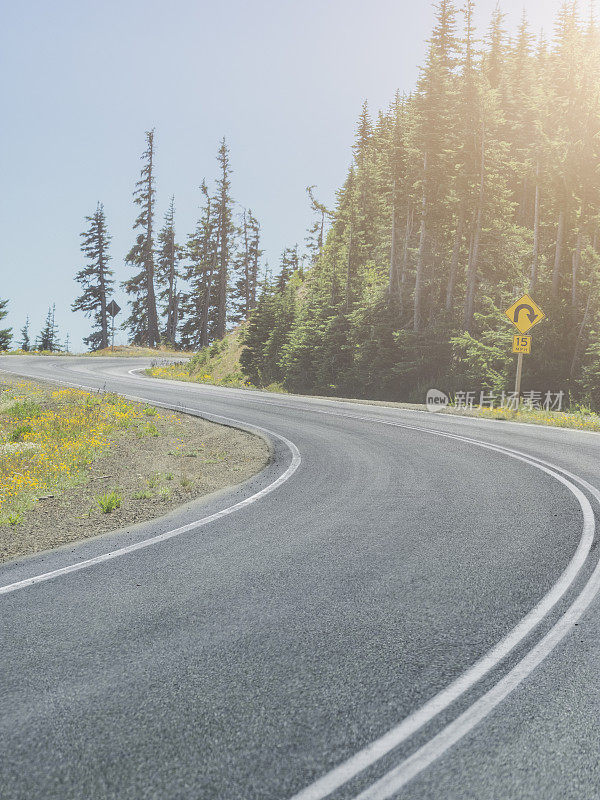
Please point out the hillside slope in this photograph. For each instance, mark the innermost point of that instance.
(219, 363)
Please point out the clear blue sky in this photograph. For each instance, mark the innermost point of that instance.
(283, 80)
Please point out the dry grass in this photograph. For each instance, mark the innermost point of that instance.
(133, 351)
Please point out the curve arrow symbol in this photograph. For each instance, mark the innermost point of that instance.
(530, 312)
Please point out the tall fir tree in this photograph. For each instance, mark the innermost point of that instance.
(434, 104)
(225, 239)
(198, 303)
(167, 273)
(246, 267)
(315, 238)
(25, 343)
(48, 337)
(96, 278)
(143, 319)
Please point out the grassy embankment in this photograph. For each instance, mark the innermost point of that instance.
(74, 464)
(49, 437)
(218, 364)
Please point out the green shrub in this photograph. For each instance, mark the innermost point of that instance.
(24, 409)
(143, 494)
(19, 432)
(108, 502)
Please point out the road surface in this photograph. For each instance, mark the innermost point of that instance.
(401, 605)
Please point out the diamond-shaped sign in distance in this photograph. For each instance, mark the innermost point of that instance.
(113, 308)
(525, 313)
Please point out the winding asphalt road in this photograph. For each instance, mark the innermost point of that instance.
(401, 605)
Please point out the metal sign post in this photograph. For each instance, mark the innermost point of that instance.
(113, 309)
(518, 375)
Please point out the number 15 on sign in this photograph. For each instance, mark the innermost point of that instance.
(521, 344)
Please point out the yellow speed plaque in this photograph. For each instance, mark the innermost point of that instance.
(521, 344)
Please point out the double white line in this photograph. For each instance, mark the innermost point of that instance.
(393, 781)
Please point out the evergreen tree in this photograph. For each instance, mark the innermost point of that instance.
(95, 278)
(288, 265)
(434, 106)
(246, 268)
(143, 319)
(316, 233)
(482, 184)
(5, 333)
(226, 232)
(167, 272)
(200, 272)
(254, 256)
(48, 337)
(25, 344)
(260, 327)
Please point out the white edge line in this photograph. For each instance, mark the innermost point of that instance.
(163, 537)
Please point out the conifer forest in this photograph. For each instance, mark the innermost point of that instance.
(479, 186)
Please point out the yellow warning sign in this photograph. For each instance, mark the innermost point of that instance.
(522, 344)
(525, 313)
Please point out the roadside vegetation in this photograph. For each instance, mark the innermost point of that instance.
(120, 350)
(49, 437)
(217, 364)
(220, 365)
(75, 463)
(137, 351)
(579, 418)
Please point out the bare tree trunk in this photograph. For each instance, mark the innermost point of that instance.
(208, 282)
(247, 288)
(580, 336)
(254, 280)
(473, 262)
(418, 296)
(206, 303)
(103, 313)
(222, 285)
(172, 294)
(393, 270)
(458, 239)
(321, 232)
(404, 268)
(536, 231)
(348, 269)
(560, 238)
(523, 203)
(575, 269)
(153, 334)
